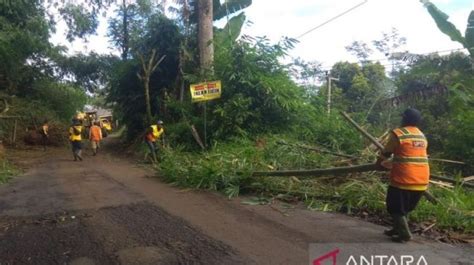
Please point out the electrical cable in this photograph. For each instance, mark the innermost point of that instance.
(332, 19)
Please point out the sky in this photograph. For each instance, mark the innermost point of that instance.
(278, 18)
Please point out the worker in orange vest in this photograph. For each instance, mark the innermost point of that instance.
(409, 172)
(95, 136)
(153, 134)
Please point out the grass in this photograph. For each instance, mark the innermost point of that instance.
(227, 168)
(7, 171)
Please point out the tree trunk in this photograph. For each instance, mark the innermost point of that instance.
(125, 44)
(148, 67)
(146, 84)
(181, 74)
(205, 35)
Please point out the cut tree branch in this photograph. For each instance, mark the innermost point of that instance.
(317, 149)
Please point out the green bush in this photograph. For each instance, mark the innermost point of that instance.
(455, 211)
(63, 99)
(221, 169)
(7, 171)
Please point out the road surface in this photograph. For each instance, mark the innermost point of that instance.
(110, 210)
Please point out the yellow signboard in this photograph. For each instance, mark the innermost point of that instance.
(206, 91)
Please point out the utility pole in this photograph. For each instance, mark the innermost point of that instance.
(330, 78)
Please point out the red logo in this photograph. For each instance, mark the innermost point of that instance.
(418, 144)
(330, 255)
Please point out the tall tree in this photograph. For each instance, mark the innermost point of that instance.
(24, 37)
(205, 35)
(126, 27)
(126, 38)
(204, 13)
(360, 49)
(389, 42)
(149, 65)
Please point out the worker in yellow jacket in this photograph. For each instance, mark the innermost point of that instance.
(409, 172)
(153, 134)
(75, 137)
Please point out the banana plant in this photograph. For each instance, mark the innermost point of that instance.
(229, 34)
(221, 10)
(441, 20)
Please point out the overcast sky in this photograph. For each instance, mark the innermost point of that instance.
(277, 18)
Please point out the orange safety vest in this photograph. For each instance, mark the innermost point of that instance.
(96, 134)
(410, 170)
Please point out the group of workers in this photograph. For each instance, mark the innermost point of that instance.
(76, 134)
(153, 135)
(409, 167)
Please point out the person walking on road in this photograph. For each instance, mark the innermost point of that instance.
(153, 134)
(75, 136)
(409, 172)
(95, 136)
(44, 134)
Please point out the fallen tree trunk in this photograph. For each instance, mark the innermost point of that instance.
(333, 171)
(319, 172)
(361, 130)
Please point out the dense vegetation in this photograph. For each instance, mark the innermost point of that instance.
(34, 84)
(32, 80)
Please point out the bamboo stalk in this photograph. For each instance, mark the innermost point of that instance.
(10, 117)
(312, 148)
(468, 178)
(319, 172)
(14, 131)
(430, 197)
(447, 161)
(196, 137)
(364, 132)
(452, 181)
(380, 146)
(303, 193)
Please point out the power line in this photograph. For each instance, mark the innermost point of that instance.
(398, 62)
(332, 19)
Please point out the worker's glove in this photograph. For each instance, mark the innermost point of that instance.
(383, 163)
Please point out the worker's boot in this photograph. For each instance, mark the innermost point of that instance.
(404, 234)
(393, 231)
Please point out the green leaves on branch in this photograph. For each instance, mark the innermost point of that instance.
(441, 20)
(229, 34)
(470, 33)
(80, 21)
(24, 34)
